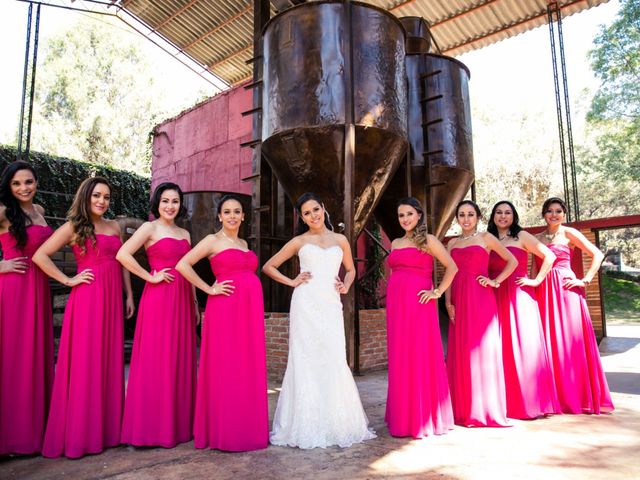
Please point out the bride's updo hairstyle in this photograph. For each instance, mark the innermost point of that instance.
(419, 238)
(304, 198)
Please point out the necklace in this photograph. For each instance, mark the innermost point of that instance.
(504, 237)
(466, 237)
(236, 241)
(551, 236)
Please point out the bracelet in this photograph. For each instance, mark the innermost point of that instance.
(496, 283)
(437, 293)
(585, 281)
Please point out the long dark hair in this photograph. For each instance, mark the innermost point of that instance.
(515, 227)
(420, 232)
(157, 194)
(78, 214)
(304, 198)
(16, 216)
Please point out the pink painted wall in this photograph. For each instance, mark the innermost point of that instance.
(200, 148)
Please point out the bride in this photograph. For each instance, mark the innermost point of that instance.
(319, 405)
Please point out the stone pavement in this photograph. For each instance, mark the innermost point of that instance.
(583, 447)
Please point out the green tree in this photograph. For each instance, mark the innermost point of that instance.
(96, 97)
(615, 108)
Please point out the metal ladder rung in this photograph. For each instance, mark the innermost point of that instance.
(431, 99)
(432, 122)
(253, 59)
(251, 143)
(252, 111)
(432, 152)
(249, 86)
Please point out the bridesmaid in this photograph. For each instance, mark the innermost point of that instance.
(160, 400)
(527, 371)
(26, 331)
(418, 399)
(474, 356)
(231, 400)
(571, 343)
(88, 391)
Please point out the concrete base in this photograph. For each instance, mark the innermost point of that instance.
(560, 447)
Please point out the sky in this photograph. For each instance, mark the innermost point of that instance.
(507, 78)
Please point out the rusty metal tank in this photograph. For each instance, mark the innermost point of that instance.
(440, 156)
(329, 65)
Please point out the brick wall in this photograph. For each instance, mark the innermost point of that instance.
(373, 341)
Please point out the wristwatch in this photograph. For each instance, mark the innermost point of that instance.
(437, 292)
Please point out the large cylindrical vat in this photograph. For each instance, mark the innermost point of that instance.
(440, 143)
(327, 65)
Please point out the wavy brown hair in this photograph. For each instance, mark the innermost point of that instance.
(420, 233)
(79, 213)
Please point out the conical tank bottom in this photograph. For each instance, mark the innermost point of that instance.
(312, 159)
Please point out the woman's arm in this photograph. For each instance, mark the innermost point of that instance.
(440, 253)
(535, 246)
(342, 286)
(126, 256)
(61, 237)
(203, 249)
(580, 241)
(512, 263)
(270, 268)
(451, 309)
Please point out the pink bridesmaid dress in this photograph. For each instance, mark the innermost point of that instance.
(474, 353)
(418, 399)
(26, 348)
(571, 342)
(527, 372)
(160, 399)
(88, 391)
(231, 400)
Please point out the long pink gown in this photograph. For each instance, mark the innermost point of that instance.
(474, 353)
(26, 348)
(88, 391)
(571, 342)
(418, 398)
(160, 400)
(527, 371)
(231, 400)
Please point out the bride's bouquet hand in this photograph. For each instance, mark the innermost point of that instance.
(303, 277)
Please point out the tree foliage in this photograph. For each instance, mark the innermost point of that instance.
(615, 109)
(95, 98)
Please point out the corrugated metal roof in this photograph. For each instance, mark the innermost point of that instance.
(219, 34)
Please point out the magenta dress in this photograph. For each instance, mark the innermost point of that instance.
(88, 391)
(418, 399)
(231, 400)
(26, 348)
(474, 349)
(160, 399)
(571, 343)
(527, 371)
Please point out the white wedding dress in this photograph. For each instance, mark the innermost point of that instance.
(319, 405)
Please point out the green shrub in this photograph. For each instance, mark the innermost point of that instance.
(59, 178)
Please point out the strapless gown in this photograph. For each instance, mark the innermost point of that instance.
(319, 404)
(88, 390)
(26, 348)
(527, 371)
(571, 342)
(474, 353)
(161, 390)
(232, 411)
(418, 398)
